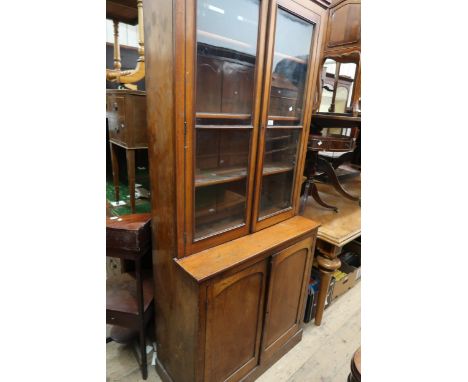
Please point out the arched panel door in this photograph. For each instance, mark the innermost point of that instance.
(289, 273)
(234, 324)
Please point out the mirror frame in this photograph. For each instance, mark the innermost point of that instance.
(353, 57)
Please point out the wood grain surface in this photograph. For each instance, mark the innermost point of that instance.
(337, 228)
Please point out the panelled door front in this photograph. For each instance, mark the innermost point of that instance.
(234, 324)
(289, 273)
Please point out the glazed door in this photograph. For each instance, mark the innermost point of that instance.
(223, 81)
(290, 270)
(234, 324)
(292, 52)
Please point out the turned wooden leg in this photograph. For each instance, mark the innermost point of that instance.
(131, 176)
(318, 199)
(326, 267)
(333, 179)
(115, 170)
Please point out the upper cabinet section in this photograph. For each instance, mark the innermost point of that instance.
(344, 27)
(230, 130)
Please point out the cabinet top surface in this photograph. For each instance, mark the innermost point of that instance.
(126, 91)
(133, 222)
(337, 228)
(211, 262)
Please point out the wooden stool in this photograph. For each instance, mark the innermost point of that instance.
(129, 298)
(126, 116)
(355, 375)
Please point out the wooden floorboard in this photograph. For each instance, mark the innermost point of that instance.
(323, 355)
(325, 351)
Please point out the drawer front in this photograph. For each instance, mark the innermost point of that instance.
(116, 104)
(116, 118)
(234, 324)
(117, 129)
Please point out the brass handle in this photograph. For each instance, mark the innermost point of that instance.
(116, 106)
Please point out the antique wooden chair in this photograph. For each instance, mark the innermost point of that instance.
(129, 297)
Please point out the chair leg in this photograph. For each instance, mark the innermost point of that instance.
(333, 179)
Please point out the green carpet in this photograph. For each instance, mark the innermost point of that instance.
(141, 205)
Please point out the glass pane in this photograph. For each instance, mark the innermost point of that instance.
(330, 66)
(326, 100)
(293, 37)
(278, 170)
(226, 55)
(337, 100)
(341, 99)
(219, 207)
(347, 75)
(222, 159)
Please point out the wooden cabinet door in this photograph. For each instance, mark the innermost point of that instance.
(290, 270)
(344, 26)
(225, 42)
(292, 53)
(234, 324)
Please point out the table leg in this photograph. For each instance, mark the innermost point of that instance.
(304, 197)
(328, 264)
(318, 199)
(141, 316)
(342, 159)
(333, 179)
(131, 176)
(115, 170)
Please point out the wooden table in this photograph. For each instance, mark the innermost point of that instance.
(336, 230)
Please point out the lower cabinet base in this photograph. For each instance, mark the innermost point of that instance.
(240, 305)
(255, 373)
(162, 372)
(260, 369)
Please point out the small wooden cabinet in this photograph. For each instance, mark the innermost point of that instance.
(126, 121)
(251, 295)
